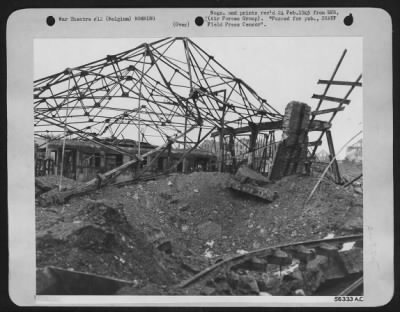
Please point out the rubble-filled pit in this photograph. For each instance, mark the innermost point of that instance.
(161, 232)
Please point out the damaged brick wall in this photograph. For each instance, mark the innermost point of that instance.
(291, 153)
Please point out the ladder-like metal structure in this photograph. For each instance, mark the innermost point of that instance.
(330, 113)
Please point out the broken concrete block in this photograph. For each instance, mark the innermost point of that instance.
(233, 279)
(313, 275)
(254, 190)
(359, 243)
(352, 260)
(279, 257)
(334, 270)
(248, 285)
(222, 286)
(246, 174)
(327, 250)
(269, 283)
(296, 274)
(42, 187)
(302, 253)
(319, 263)
(289, 285)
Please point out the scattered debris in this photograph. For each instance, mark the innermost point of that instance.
(165, 235)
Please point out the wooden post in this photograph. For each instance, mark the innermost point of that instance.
(221, 150)
(169, 148)
(221, 142)
(78, 164)
(335, 166)
(184, 161)
(264, 155)
(232, 150)
(252, 144)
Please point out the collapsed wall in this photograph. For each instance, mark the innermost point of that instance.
(291, 154)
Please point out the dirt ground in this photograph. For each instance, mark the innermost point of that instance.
(159, 232)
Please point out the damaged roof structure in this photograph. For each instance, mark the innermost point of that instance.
(173, 96)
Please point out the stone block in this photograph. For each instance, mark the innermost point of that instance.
(279, 257)
(352, 260)
(327, 250)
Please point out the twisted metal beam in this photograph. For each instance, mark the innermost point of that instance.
(163, 87)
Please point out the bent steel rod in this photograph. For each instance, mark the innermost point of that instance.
(244, 257)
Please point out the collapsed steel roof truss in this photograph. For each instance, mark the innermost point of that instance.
(163, 88)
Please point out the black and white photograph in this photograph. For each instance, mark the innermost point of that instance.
(201, 166)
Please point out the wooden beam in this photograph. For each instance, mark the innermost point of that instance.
(319, 125)
(315, 143)
(103, 179)
(332, 155)
(232, 150)
(331, 99)
(252, 144)
(270, 125)
(327, 111)
(340, 83)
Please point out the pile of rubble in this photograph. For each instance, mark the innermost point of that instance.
(97, 238)
(297, 270)
(45, 184)
(160, 232)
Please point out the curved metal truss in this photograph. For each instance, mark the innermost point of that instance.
(153, 91)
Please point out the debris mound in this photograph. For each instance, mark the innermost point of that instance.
(98, 239)
(158, 233)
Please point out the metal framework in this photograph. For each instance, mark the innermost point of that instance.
(155, 90)
(331, 112)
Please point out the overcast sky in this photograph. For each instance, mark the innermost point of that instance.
(279, 69)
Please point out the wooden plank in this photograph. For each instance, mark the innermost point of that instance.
(269, 125)
(330, 98)
(340, 83)
(315, 143)
(335, 165)
(327, 111)
(319, 125)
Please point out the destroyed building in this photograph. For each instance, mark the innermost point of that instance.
(83, 160)
(236, 211)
